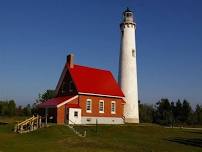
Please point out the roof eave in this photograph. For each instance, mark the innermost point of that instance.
(103, 95)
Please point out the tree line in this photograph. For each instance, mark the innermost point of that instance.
(9, 108)
(164, 112)
(171, 113)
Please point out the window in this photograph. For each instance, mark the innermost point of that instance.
(88, 119)
(88, 105)
(75, 113)
(113, 107)
(64, 88)
(133, 52)
(101, 106)
(128, 14)
(70, 86)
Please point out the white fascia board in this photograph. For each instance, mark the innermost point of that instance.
(65, 102)
(64, 71)
(93, 94)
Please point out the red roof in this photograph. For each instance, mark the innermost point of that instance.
(95, 81)
(54, 101)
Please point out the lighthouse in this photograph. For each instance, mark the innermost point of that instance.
(127, 77)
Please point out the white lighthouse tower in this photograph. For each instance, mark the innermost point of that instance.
(128, 68)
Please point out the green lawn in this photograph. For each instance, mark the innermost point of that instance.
(132, 138)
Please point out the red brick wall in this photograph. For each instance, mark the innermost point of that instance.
(61, 115)
(75, 101)
(95, 106)
(61, 112)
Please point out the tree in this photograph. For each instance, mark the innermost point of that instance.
(198, 114)
(163, 112)
(7, 108)
(178, 111)
(146, 112)
(42, 97)
(4, 108)
(19, 111)
(186, 111)
(11, 108)
(1, 108)
(34, 109)
(27, 110)
(48, 94)
(172, 106)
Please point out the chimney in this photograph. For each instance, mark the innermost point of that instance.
(70, 61)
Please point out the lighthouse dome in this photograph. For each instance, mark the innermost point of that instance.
(128, 16)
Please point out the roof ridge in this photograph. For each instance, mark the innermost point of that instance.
(93, 68)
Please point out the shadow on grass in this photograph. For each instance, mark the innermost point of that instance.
(197, 142)
(194, 132)
(3, 123)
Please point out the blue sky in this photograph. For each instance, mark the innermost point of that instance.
(36, 36)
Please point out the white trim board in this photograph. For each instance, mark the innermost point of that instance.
(94, 94)
(64, 71)
(61, 104)
(101, 120)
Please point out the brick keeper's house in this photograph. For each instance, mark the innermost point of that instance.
(85, 95)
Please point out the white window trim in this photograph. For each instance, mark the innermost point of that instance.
(103, 106)
(89, 111)
(113, 102)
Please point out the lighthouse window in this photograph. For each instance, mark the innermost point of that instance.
(133, 52)
(128, 14)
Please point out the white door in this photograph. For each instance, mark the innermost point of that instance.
(74, 116)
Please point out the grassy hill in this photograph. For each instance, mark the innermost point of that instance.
(120, 138)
